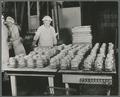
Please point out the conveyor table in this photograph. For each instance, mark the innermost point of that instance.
(40, 72)
(87, 77)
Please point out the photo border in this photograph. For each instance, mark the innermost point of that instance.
(71, 0)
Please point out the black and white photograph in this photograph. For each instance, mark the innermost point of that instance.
(59, 48)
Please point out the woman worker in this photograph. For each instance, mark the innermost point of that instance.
(45, 34)
(15, 38)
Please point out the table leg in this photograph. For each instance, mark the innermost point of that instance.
(51, 85)
(108, 92)
(13, 85)
(67, 88)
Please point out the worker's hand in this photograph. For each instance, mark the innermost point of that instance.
(10, 45)
(11, 39)
(21, 39)
(56, 34)
(34, 44)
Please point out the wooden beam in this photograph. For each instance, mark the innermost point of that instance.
(56, 16)
(80, 5)
(22, 13)
(58, 12)
(38, 10)
(53, 22)
(28, 3)
(15, 11)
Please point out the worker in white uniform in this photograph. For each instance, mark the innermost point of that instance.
(5, 48)
(45, 34)
(15, 38)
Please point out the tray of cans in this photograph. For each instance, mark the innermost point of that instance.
(38, 58)
(83, 56)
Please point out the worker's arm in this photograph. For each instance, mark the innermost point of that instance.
(36, 37)
(14, 34)
(54, 37)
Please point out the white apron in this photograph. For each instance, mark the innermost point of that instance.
(17, 44)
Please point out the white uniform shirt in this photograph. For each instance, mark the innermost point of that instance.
(46, 36)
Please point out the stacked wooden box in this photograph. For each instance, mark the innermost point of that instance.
(81, 34)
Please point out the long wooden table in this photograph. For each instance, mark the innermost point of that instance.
(40, 72)
(87, 77)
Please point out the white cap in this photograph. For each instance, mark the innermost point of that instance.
(10, 19)
(47, 18)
